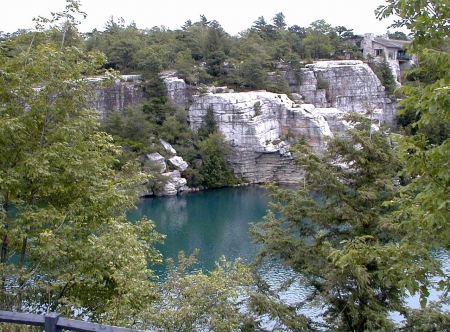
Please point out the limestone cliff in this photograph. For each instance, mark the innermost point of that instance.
(345, 85)
(258, 126)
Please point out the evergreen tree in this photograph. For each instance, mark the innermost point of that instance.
(209, 124)
(425, 203)
(335, 233)
(215, 170)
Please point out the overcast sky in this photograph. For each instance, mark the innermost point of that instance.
(233, 15)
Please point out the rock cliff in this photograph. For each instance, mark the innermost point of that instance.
(345, 85)
(258, 126)
(128, 91)
(117, 97)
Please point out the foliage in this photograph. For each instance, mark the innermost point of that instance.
(65, 243)
(209, 124)
(398, 35)
(336, 233)
(383, 70)
(194, 300)
(424, 203)
(215, 170)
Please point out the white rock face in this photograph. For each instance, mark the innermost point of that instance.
(345, 85)
(179, 163)
(158, 161)
(176, 91)
(175, 183)
(256, 125)
(116, 97)
(167, 146)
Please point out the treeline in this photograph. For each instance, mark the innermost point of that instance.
(202, 52)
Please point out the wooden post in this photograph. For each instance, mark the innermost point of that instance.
(50, 322)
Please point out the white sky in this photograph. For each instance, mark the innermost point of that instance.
(233, 15)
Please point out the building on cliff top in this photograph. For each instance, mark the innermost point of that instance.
(393, 50)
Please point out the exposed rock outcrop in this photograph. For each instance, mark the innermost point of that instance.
(174, 184)
(345, 85)
(117, 97)
(176, 91)
(178, 163)
(257, 126)
(158, 161)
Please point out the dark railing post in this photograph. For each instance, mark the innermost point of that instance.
(50, 322)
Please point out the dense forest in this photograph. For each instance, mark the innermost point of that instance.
(360, 232)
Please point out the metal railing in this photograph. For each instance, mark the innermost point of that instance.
(53, 322)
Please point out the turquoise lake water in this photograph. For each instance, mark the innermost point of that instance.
(218, 222)
(214, 221)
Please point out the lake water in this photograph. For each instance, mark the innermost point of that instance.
(217, 223)
(214, 221)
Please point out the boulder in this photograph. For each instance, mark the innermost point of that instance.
(167, 146)
(158, 160)
(179, 163)
(174, 184)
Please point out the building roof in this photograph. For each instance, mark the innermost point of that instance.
(391, 43)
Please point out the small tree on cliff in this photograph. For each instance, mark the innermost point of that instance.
(215, 170)
(209, 124)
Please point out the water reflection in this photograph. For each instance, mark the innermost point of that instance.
(214, 221)
(217, 223)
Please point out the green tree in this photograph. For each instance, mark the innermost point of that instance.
(279, 21)
(215, 170)
(151, 60)
(425, 202)
(65, 243)
(383, 70)
(317, 44)
(209, 124)
(335, 233)
(190, 301)
(253, 73)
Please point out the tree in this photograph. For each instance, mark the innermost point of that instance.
(190, 301)
(383, 70)
(425, 202)
(336, 233)
(399, 35)
(279, 21)
(215, 170)
(209, 124)
(65, 243)
(253, 74)
(317, 44)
